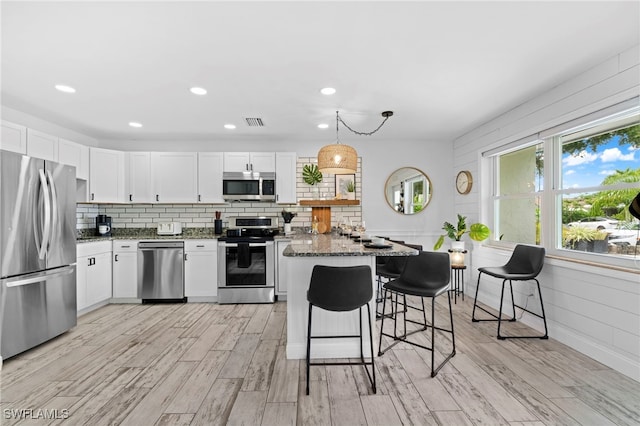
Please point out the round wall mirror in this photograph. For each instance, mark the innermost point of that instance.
(408, 190)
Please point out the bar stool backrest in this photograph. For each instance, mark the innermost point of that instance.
(427, 270)
(340, 288)
(526, 260)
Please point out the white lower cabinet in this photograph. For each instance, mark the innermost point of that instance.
(125, 269)
(200, 268)
(93, 282)
(281, 269)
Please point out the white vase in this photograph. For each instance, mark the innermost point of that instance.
(457, 245)
(351, 195)
(287, 228)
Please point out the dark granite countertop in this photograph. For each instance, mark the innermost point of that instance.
(307, 245)
(87, 235)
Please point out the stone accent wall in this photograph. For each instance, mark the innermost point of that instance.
(202, 215)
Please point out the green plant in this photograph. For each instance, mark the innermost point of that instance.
(477, 231)
(575, 234)
(350, 186)
(311, 175)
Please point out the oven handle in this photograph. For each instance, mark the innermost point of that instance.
(250, 244)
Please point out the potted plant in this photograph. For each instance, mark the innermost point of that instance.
(311, 175)
(477, 232)
(600, 243)
(351, 190)
(582, 238)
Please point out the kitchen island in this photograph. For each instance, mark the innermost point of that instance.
(306, 251)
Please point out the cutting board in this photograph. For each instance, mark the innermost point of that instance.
(324, 218)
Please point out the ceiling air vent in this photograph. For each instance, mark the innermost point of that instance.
(254, 122)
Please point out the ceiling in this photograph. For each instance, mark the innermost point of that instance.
(442, 67)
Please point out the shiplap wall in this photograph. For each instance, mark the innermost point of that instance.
(595, 310)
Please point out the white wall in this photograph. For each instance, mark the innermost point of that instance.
(596, 310)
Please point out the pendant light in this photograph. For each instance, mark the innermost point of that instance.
(339, 158)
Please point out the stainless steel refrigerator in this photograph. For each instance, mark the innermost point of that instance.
(37, 251)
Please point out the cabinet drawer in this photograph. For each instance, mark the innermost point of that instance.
(92, 249)
(201, 245)
(125, 245)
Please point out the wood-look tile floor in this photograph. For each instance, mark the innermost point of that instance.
(208, 364)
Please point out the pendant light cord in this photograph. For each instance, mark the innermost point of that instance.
(385, 114)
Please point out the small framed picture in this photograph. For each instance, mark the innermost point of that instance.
(346, 186)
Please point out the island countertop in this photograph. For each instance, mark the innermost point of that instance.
(323, 245)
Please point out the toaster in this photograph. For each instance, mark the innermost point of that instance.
(169, 228)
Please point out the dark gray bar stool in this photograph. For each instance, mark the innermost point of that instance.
(525, 264)
(341, 289)
(424, 275)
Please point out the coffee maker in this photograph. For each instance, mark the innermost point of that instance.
(103, 225)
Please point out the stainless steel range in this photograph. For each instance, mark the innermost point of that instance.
(246, 261)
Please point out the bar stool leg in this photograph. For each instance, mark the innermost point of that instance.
(308, 347)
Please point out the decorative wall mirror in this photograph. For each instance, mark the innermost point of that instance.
(408, 190)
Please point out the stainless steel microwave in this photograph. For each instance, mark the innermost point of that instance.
(248, 186)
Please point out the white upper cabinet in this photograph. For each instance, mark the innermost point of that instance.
(210, 167)
(14, 137)
(174, 177)
(286, 178)
(249, 162)
(42, 145)
(74, 154)
(138, 177)
(106, 176)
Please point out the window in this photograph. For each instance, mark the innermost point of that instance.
(518, 202)
(592, 173)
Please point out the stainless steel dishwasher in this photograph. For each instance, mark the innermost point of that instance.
(161, 271)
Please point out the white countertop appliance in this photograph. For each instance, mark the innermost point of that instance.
(169, 228)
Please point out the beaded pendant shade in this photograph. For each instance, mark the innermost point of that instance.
(339, 158)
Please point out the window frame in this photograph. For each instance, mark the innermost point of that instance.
(552, 192)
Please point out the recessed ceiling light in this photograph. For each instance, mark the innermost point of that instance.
(134, 124)
(65, 89)
(328, 91)
(198, 91)
(323, 126)
(230, 126)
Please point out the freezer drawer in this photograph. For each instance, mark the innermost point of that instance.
(35, 308)
(161, 271)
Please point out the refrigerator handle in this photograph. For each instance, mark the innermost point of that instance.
(37, 277)
(54, 208)
(47, 215)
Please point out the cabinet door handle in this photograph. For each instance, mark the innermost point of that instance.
(130, 197)
(157, 197)
(115, 258)
(199, 198)
(246, 166)
(199, 245)
(92, 196)
(277, 197)
(185, 257)
(125, 246)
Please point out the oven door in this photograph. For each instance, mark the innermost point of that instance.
(246, 272)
